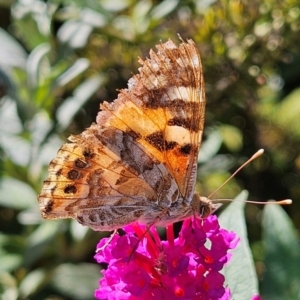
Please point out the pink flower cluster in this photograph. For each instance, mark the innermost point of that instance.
(142, 266)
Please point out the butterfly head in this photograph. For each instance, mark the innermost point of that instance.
(204, 206)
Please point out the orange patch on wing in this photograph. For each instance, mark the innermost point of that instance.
(178, 163)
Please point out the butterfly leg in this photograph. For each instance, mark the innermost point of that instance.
(147, 231)
(140, 238)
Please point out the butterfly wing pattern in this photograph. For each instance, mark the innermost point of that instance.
(138, 162)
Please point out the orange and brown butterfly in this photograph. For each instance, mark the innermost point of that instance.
(139, 161)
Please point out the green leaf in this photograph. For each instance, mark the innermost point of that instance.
(240, 272)
(16, 194)
(288, 114)
(11, 252)
(282, 255)
(75, 33)
(33, 25)
(8, 286)
(210, 147)
(77, 281)
(77, 68)
(141, 10)
(232, 137)
(40, 129)
(39, 240)
(34, 64)
(31, 282)
(93, 18)
(10, 123)
(10, 262)
(284, 114)
(16, 148)
(163, 9)
(12, 53)
(66, 112)
(115, 6)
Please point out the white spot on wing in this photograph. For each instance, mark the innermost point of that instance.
(180, 92)
(177, 134)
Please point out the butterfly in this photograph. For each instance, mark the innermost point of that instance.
(138, 162)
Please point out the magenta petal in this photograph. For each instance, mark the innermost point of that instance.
(104, 250)
(211, 225)
(111, 291)
(227, 295)
(192, 238)
(232, 239)
(215, 279)
(175, 261)
(185, 268)
(154, 293)
(124, 247)
(181, 287)
(104, 291)
(214, 282)
(136, 280)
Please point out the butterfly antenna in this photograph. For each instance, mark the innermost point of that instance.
(254, 156)
(279, 202)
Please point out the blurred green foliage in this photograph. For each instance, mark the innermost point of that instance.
(60, 59)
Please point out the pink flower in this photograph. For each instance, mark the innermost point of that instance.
(142, 266)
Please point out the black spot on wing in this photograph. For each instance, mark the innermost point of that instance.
(73, 174)
(70, 189)
(88, 153)
(186, 149)
(157, 140)
(187, 123)
(48, 207)
(79, 163)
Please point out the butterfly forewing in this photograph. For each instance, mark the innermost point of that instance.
(140, 158)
